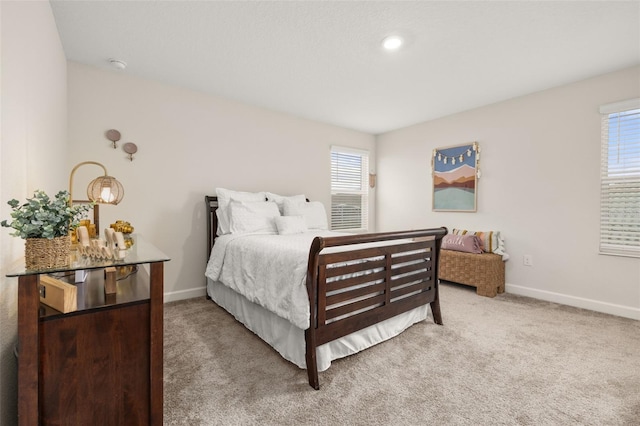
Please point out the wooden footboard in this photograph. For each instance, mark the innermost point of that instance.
(367, 282)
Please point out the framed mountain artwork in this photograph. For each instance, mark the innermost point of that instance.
(455, 178)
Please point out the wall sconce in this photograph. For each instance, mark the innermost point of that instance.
(372, 180)
(103, 190)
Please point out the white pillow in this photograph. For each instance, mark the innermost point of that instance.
(314, 213)
(224, 197)
(256, 217)
(279, 199)
(288, 225)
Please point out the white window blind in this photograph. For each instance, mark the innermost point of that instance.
(620, 179)
(349, 189)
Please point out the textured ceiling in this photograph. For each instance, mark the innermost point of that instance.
(322, 60)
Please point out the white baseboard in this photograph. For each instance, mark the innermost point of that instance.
(185, 294)
(578, 302)
(549, 296)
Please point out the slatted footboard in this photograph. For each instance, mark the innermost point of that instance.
(371, 278)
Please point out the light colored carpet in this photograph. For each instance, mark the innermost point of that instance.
(504, 361)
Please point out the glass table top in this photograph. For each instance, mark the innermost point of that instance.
(141, 251)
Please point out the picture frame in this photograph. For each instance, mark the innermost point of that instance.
(455, 173)
(93, 211)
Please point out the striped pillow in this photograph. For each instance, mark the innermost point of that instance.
(492, 241)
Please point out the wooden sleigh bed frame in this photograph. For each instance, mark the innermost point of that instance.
(353, 289)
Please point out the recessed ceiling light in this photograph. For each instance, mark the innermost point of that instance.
(117, 64)
(392, 42)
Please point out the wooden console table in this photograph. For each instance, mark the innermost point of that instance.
(101, 364)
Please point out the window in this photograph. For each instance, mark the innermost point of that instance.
(349, 189)
(620, 179)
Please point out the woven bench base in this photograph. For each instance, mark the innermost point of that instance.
(484, 271)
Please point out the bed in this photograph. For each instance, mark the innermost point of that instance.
(349, 292)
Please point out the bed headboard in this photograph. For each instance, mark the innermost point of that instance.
(211, 202)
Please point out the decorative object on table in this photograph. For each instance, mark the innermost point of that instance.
(122, 226)
(130, 148)
(455, 172)
(97, 250)
(102, 190)
(86, 221)
(60, 295)
(81, 238)
(110, 280)
(44, 224)
(115, 240)
(126, 229)
(92, 231)
(114, 136)
(113, 248)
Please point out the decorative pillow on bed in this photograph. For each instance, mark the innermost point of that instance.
(466, 243)
(256, 217)
(288, 225)
(492, 241)
(279, 199)
(313, 212)
(224, 198)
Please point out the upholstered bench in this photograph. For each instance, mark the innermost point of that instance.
(485, 271)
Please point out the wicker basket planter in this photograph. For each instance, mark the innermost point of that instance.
(45, 253)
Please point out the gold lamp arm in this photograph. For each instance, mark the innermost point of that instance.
(73, 172)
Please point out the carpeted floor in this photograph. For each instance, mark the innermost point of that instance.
(509, 360)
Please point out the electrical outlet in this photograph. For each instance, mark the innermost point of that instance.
(528, 260)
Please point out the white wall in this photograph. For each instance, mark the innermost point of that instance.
(33, 150)
(188, 145)
(540, 187)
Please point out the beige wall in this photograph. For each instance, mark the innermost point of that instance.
(540, 156)
(188, 145)
(540, 186)
(33, 107)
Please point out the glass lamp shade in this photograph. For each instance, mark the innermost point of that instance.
(105, 190)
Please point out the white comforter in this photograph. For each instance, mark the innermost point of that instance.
(276, 281)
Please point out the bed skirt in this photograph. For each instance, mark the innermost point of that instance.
(288, 340)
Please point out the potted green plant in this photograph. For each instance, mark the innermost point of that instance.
(45, 224)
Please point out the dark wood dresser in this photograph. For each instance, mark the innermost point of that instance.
(103, 363)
